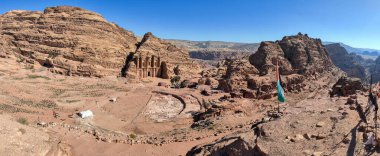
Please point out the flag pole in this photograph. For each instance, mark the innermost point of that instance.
(277, 79)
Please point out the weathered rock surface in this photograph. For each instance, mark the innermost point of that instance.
(74, 41)
(374, 69)
(236, 75)
(67, 40)
(18, 139)
(296, 55)
(239, 144)
(300, 58)
(174, 60)
(345, 61)
(347, 86)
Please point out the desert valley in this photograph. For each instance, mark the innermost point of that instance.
(73, 83)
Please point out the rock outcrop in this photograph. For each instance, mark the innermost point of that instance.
(374, 70)
(19, 139)
(74, 41)
(242, 144)
(67, 40)
(236, 75)
(345, 61)
(157, 58)
(300, 58)
(296, 55)
(347, 86)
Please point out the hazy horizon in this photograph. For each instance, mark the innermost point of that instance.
(351, 22)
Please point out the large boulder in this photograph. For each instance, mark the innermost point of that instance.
(347, 86)
(233, 145)
(265, 59)
(236, 75)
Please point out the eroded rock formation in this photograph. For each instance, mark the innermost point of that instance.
(242, 144)
(67, 40)
(346, 62)
(347, 86)
(297, 54)
(300, 58)
(157, 58)
(74, 41)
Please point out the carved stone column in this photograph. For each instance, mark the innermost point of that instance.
(152, 61)
(140, 62)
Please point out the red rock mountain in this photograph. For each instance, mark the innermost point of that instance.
(297, 54)
(345, 61)
(300, 58)
(74, 41)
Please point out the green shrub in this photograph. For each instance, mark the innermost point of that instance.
(46, 104)
(23, 121)
(53, 54)
(20, 59)
(132, 136)
(176, 81)
(38, 76)
(185, 84)
(72, 101)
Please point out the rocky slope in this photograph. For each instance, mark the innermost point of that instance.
(345, 61)
(74, 41)
(33, 141)
(68, 40)
(374, 70)
(314, 125)
(296, 55)
(300, 58)
(367, 53)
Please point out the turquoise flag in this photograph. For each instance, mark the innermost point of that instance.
(280, 90)
(280, 95)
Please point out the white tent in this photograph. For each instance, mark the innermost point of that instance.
(85, 114)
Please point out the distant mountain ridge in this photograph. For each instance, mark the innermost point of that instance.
(350, 63)
(252, 47)
(216, 45)
(216, 50)
(361, 51)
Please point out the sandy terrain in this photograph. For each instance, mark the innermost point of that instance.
(145, 119)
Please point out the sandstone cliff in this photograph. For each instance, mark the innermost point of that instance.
(374, 70)
(67, 40)
(160, 57)
(74, 41)
(300, 58)
(345, 61)
(297, 54)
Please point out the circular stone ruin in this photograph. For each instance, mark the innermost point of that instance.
(163, 107)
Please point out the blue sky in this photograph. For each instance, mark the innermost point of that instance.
(354, 22)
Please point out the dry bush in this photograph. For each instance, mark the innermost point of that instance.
(23, 121)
